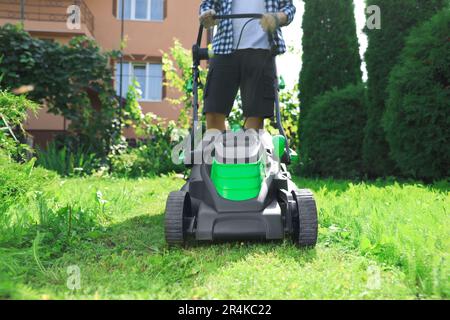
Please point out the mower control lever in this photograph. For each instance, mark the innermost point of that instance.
(239, 16)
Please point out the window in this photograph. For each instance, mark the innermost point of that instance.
(155, 77)
(143, 10)
(149, 76)
(157, 10)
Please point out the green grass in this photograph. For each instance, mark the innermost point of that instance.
(377, 241)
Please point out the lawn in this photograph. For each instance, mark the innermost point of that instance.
(380, 240)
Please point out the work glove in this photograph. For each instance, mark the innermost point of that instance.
(270, 22)
(207, 19)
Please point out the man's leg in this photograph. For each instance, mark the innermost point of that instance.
(257, 87)
(221, 88)
(254, 123)
(215, 121)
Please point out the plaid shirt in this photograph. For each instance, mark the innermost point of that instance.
(223, 40)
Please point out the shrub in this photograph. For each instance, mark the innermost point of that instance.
(153, 154)
(417, 118)
(13, 111)
(67, 160)
(177, 66)
(332, 144)
(61, 76)
(18, 180)
(289, 109)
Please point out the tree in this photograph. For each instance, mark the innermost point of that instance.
(333, 131)
(330, 50)
(385, 45)
(417, 119)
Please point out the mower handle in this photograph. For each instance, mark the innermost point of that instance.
(238, 16)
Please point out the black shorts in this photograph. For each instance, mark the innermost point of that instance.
(250, 70)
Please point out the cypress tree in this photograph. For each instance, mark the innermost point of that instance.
(385, 45)
(417, 118)
(330, 50)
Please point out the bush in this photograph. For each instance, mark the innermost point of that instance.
(62, 76)
(18, 180)
(417, 118)
(177, 67)
(289, 109)
(332, 144)
(13, 110)
(67, 160)
(153, 154)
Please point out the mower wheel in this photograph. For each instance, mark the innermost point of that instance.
(178, 207)
(305, 219)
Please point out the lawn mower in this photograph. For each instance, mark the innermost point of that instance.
(244, 191)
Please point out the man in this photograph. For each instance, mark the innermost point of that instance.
(243, 59)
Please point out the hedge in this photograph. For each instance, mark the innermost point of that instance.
(333, 136)
(417, 118)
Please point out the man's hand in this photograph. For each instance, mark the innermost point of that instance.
(270, 22)
(207, 19)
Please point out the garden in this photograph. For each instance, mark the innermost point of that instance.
(83, 218)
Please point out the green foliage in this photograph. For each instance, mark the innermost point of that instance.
(61, 76)
(177, 67)
(17, 181)
(385, 45)
(330, 49)
(417, 119)
(236, 116)
(289, 115)
(2, 74)
(13, 111)
(333, 133)
(67, 161)
(152, 156)
(132, 109)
